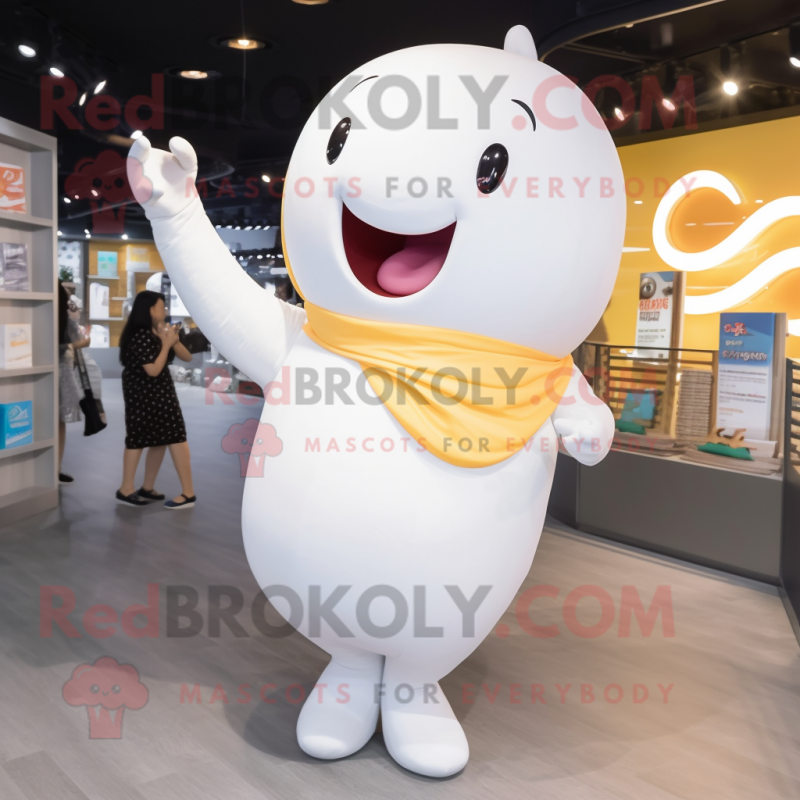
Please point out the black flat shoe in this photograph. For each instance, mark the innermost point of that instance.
(131, 499)
(64, 478)
(188, 502)
(149, 494)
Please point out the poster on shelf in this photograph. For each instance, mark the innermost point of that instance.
(12, 189)
(107, 264)
(655, 314)
(14, 276)
(98, 336)
(745, 375)
(98, 301)
(16, 351)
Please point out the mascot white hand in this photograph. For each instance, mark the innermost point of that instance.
(163, 183)
(453, 217)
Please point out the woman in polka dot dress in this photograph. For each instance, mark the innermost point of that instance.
(153, 417)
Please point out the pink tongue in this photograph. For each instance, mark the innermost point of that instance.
(416, 265)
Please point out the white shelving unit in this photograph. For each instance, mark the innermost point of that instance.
(29, 474)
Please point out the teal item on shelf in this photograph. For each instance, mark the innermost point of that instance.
(639, 405)
(629, 427)
(16, 424)
(726, 450)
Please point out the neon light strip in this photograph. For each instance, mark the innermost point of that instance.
(732, 245)
(747, 287)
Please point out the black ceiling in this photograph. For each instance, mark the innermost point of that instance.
(311, 47)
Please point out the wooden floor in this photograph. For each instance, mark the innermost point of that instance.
(730, 727)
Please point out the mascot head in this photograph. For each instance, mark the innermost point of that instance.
(460, 187)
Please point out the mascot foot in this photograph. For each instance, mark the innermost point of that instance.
(341, 712)
(420, 730)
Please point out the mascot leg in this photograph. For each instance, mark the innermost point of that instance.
(420, 729)
(341, 713)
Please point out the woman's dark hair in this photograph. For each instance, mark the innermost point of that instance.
(63, 314)
(139, 320)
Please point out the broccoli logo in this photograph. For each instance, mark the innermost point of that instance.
(106, 688)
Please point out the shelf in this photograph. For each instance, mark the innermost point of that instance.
(32, 296)
(10, 452)
(24, 222)
(25, 502)
(106, 319)
(100, 278)
(24, 371)
(31, 470)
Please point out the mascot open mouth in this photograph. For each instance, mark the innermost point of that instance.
(393, 264)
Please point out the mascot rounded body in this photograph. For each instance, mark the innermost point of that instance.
(395, 557)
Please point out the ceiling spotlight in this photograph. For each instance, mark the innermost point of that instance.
(730, 87)
(229, 227)
(238, 228)
(88, 235)
(136, 134)
(94, 193)
(241, 43)
(257, 228)
(668, 104)
(618, 114)
(193, 74)
(218, 226)
(86, 231)
(60, 233)
(100, 86)
(56, 72)
(27, 51)
(67, 200)
(265, 178)
(82, 100)
(795, 62)
(249, 228)
(311, 2)
(125, 236)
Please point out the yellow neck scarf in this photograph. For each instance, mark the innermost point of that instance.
(470, 400)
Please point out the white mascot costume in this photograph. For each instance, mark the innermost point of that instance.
(453, 217)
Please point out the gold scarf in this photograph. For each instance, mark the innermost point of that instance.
(460, 395)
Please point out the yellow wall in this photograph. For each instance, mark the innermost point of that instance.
(762, 161)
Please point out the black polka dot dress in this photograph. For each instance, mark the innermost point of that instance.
(152, 412)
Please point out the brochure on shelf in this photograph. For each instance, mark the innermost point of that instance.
(14, 274)
(16, 424)
(12, 189)
(16, 351)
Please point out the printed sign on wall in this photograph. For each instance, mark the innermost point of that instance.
(655, 313)
(744, 385)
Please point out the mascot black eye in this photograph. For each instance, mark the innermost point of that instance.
(492, 168)
(337, 140)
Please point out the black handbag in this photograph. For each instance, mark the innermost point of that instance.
(91, 408)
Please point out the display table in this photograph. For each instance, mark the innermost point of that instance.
(710, 516)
